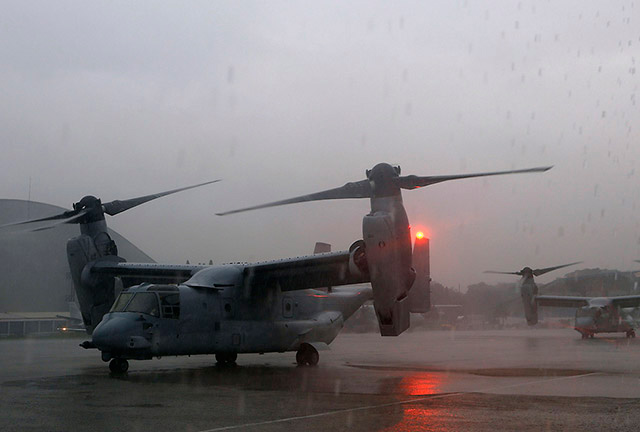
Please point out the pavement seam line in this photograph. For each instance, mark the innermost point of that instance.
(403, 402)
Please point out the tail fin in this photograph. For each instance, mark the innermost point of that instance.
(321, 248)
(74, 312)
(420, 293)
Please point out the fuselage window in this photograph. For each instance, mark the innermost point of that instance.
(144, 302)
(121, 302)
(170, 304)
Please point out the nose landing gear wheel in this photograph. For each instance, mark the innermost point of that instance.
(118, 366)
(307, 355)
(226, 358)
(631, 334)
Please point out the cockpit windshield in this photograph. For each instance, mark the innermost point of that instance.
(585, 312)
(121, 302)
(147, 302)
(144, 302)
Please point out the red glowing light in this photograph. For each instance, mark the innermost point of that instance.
(419, 235)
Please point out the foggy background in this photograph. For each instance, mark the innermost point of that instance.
(281, 99)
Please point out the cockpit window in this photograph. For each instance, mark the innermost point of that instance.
(585, 312)
(170, 305)
(121, 302)
(144, 302)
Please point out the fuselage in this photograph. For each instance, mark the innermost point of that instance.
(157, 320)
(601, 316)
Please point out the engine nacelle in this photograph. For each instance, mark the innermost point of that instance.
(96, 294)
(358, 258)
(528, 293)
(388, 253)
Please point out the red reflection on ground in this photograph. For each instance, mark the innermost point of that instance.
(420, 419)
(414, 416)
(423, 383)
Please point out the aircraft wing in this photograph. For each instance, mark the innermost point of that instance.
(631, 301)
(313, 271)
(562, 301)
(136, 273)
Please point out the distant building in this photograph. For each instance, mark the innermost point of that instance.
(31, 323)
(594, 282)
(34, 274)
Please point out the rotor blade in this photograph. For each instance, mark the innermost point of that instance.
(360, 189)
(538, 272)
(499, 272)
(54, 221)
(65, 215)
(414, 182)
(79, 215)
(114, 207)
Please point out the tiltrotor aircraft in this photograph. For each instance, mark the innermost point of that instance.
(528, 289)
(596, 314)
(271, 306)
(593, 314)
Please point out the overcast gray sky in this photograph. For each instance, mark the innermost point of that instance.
(120, 99)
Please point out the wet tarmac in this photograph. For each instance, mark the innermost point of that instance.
(427, 381)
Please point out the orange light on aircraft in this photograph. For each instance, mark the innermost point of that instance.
(419, 235)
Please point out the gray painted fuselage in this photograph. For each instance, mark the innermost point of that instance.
(601, 316)
(214, 321)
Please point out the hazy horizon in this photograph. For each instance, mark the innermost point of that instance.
(281, 99)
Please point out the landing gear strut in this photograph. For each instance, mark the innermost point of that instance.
(307, 355)
(226, 358)
(118, 366)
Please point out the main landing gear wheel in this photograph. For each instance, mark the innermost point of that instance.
(631, 334)
(307, 355)
(226, 358)
(118, 366)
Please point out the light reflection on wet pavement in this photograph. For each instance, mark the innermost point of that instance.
(419, 381)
